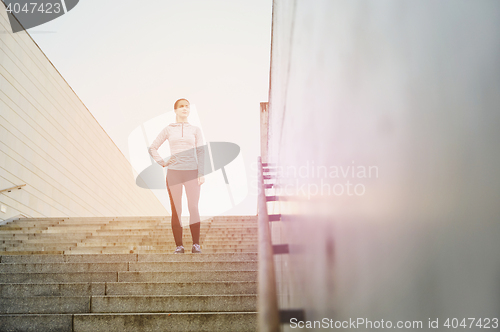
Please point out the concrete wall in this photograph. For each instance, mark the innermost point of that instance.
(52, 143)
(409, 90)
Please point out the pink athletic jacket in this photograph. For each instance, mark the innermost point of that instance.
(186, 143)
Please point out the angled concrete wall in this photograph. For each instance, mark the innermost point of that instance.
(51, 142)
(388, 112)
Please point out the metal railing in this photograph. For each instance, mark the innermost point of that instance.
(268, 319)
(269, 315)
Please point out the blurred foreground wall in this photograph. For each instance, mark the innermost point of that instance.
(385, 125)
(52, 143)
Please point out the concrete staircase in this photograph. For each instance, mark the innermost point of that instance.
(119, 274)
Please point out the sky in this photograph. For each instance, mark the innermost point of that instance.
(128, 61)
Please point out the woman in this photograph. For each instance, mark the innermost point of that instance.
(184, 168)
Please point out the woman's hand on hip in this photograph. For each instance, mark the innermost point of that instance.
(170, 161)
(201, 180)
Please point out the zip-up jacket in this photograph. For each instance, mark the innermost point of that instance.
(186, 144)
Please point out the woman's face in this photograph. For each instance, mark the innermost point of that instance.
(182, 109)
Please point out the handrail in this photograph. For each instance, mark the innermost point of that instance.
(12, 188)
(268, 319)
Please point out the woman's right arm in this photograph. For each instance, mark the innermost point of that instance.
(153, 149)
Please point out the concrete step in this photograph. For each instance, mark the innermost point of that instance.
(234, 221)
(233, 238)
(159, 248)
(153, 218)
(187, 276)
(221, 231)
(199, 322)
(160, 229)
(147, 252)
(241, 230)
(15, 290)
(172, 303)
(197, 258)
(132, 244)
(13, 236)
(87, 221)
(59, 236)
(128, 246)
(22, 231)
(234, 225)
(242, 240)
(228, 232)
(182, 288)
(239, 250)
(120, 232)
(144, 251)
(125, 266)
(11, 227)
(59, 277)
(37, 322)
(29, 223)
(115, 258)
(193, 266)
(9, 245)
(167, 243)
(90, 219)
(231, 220)
(104, 251)
(45, 305)
(33, 252)
(217, 218)
(44, 236)
(226, 237)
(152, 322)
(35, 248)
(134, 238)
(87, 251)
(40, 243)
(231, 224)
(139, 222)
(75, 229)
(149, 223)
(78, 226)
(10, 241)
(135, 226)
(126, 303)
(129, 276)
(62, 267)
(229, 246)
(232, 230)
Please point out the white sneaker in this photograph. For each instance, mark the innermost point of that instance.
(179, 250)
(196, 249)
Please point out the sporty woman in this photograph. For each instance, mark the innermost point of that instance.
(185, 167)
